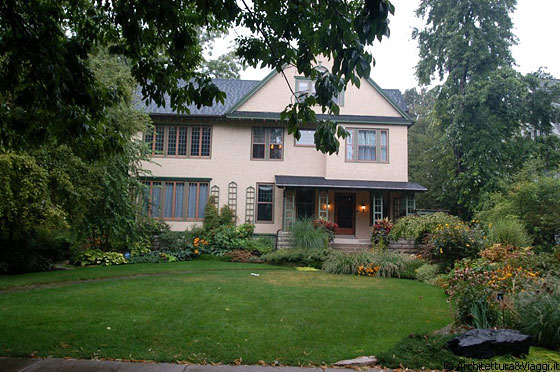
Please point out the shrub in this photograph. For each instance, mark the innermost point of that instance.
(227, 216)
(171, 241)
(383, 263)
(411, 265)
(390, 264)
(538, 311)
(228, 237)
(240, 255)
(212, 219)
(508, 232)
(418, 227)
(306, 236)
(262, 245)
(329, 227)
(451, 242)
(427, 272)
(344, 263)
(162, 257)
(419, 352)
(98, 257)
(298, 257)
(483, 289)
(380, 233)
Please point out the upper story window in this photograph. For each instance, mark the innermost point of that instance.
(267, 143)
(307, 86)
(307, 138)
(180, 141)
(368, 145)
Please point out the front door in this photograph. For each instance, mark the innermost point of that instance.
(345, 212)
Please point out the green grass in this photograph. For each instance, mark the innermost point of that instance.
(86, 273)
(295, 317)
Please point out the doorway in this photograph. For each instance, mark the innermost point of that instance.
(345, 213)
(305, 200)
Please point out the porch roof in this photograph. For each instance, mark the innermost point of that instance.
(303, 181)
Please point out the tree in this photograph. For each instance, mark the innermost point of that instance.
(49, 91)
(482, 104)
(225, 66)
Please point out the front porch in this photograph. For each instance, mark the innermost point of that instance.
(352, 204)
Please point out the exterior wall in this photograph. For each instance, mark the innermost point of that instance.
(275, 95)
(231, 161)
(395, 170)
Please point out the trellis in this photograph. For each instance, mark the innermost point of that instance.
(232, 197)
(289, 208)
(215, 192)
(377, 209)
(250, 205)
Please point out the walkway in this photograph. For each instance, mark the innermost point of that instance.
(81, 365)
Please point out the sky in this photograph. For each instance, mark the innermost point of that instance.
(536, 26)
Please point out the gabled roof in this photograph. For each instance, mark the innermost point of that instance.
(238, 91)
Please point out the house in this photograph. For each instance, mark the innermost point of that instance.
(241, 153)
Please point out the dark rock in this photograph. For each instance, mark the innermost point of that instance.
(486, 343)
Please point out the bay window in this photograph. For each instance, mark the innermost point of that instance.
(175, 200)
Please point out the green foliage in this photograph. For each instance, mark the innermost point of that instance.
(508, 232)
(418, 227)
(98, 257)
(263, 245)
(344, 263)
(452, 242)
(172, 241)
(162, 257)
(306, 236)
(419, 352)
(380, 233)
(228, 237)
(227, 216)
(298, 257)
(427, 272)
(409, 270)
(212, 217)
(386, 264)
(533, 199)
(537, 308)
(481, 101)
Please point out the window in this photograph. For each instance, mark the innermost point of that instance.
(307, 138)
(267, 143)
(173, 141)
(368, 145)
(200, 141)
(307, 87)
(175, 200)
(265, 202)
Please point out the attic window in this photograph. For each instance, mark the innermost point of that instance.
(306, 86)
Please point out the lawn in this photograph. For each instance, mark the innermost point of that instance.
(216, 312)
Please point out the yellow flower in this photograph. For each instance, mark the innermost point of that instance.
(468, 245)
(441, 250)
(196, 251)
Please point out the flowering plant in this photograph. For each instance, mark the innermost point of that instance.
(368, 270)
(455, 241)
(380, 232)
(484, 287)
(329, 227)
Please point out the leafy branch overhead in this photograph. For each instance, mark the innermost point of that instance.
(45, 76)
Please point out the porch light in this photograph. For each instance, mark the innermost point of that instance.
(328, 206)
(363, 207)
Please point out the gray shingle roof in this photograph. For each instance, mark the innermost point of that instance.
(318, 182)
(235, 90)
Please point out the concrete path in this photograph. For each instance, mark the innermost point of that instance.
(82, 365)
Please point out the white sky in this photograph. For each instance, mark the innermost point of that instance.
(536, 25)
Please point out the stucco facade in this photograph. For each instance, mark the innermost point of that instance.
(230, 157)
